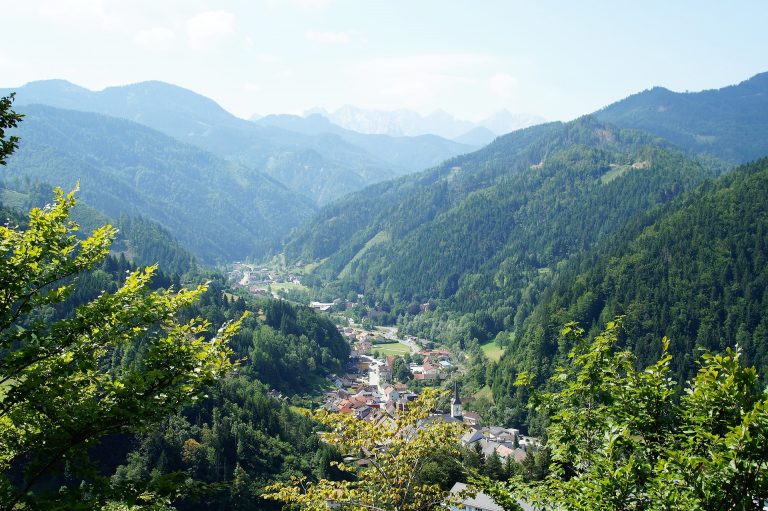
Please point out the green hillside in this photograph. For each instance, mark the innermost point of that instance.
(480, 229)
(321, 161)
(219, 210)
(694, 271)
(730, 123)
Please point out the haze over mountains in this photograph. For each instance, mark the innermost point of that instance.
(578, 221)
(327, 163)
(400, 123)
(635, 211)
(272, 172)
(217, 208)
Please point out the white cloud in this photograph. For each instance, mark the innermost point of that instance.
(209, 28)
(157, 38)
(503, 84)
(327, 37)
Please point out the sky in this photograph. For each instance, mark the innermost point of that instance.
(558, 60)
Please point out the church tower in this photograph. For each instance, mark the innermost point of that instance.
(456, 412)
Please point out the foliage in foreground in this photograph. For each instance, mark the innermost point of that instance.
(621, 438)
(393, 454)
(57, 398)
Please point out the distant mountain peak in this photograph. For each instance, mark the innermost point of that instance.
(728, 122)
(402, 122)
(58, 83)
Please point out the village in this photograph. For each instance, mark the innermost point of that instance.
(258, 279)
(369, 391)
(384, 373)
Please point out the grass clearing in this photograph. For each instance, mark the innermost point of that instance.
(492, 351)
(397, 348)
(380, 237)
(485, 393)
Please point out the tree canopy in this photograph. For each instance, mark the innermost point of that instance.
(385, 461)
(621, 437)
(57, 395)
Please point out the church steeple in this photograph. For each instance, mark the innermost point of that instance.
(456, 402)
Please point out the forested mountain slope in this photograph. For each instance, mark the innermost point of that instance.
(322, 164)
(231, 439)
(730, 123)
(217, 209)
(405, 202)
(141, 240)
(694, 271)
(481, 228)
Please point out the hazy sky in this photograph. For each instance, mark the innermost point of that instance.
(470, 58)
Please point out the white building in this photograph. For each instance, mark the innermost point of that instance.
(480, 502)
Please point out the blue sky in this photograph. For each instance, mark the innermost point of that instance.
(469, 58)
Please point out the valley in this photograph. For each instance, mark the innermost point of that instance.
(372, 307)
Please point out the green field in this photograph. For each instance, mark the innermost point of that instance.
(485, 393)
(492, 351)
(397, 348)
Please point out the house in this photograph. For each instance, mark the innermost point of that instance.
(364, 347)
(424, 376)
(319, 306)
(471, 418)
(480, 502)
(390, 393)
(504, 452)
(520, 455)
(471, 437)
(362, 412)
(379, 375)
(430, 370)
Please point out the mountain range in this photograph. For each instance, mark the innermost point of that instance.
(400, 123)
(487, 221)
(430, 235)
(642, 217)
(321, 165)
(693, 271)
(729, 123)
(217, 208)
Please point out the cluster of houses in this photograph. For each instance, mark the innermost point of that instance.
(368, 402)
(366, 390)
(462, 500)
(256, 279)
(504, 442)
(375, 399)
(435, 364)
